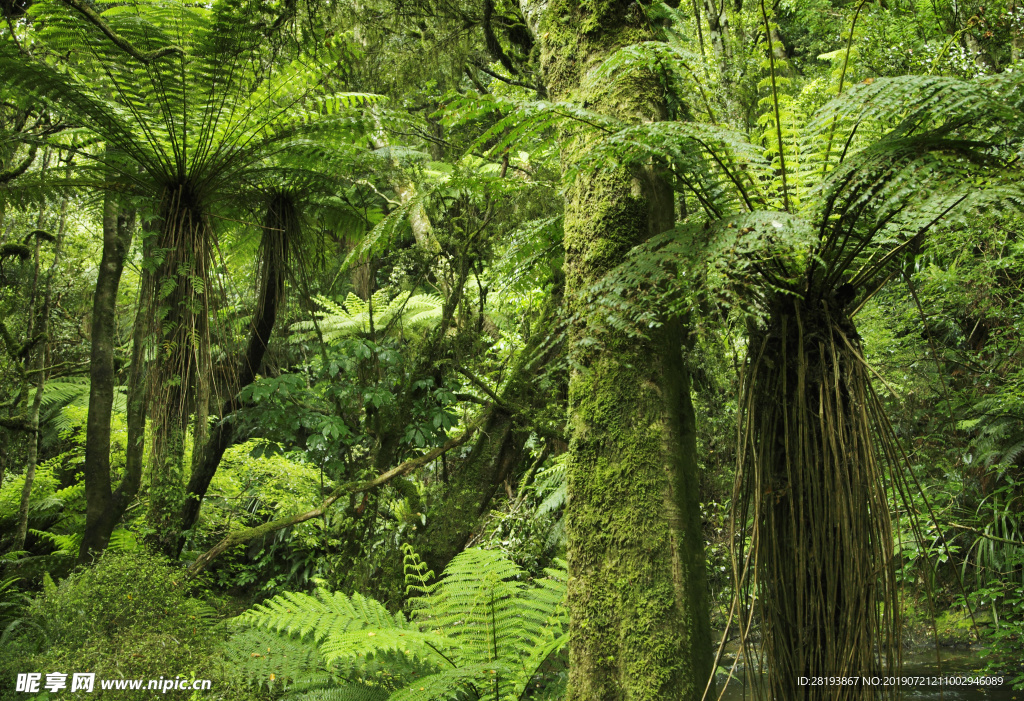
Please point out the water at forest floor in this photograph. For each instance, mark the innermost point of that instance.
(922, 663)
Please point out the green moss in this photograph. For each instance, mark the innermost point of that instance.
(578, 35)
(640, 626)
(955, 625)
(639, 606)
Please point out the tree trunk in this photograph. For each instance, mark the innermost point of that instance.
(497, 452)
(138, 389)
(40, 332)
(718, 30)
(32, 449)
(101, 516)
(639, 624)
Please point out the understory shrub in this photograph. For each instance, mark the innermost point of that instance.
(128, 616)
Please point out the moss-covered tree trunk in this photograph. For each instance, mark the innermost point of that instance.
(496, 455)
(637, 589)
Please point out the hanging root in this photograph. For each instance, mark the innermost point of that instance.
(180, 311)
(810, 510)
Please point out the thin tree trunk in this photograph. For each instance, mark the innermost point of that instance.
(40, 331)
(718, 30)
(32, 449)
(101, 516)
(639, 620)
(138, 389)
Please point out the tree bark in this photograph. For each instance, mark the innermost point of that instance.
(101, 514)
(639, 623)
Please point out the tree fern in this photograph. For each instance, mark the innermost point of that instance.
(849, 224)
(356, 316)
(195, 119)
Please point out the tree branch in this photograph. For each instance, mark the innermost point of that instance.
(17, 170)
(248, 534)
(510, 81)
(480, 383)
(986, 535)
(122, 43)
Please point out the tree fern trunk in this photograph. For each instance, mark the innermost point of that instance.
(180, 310)
(280, 231)
(637, 588)
(810, 474)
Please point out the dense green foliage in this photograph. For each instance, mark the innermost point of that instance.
(479, 629)
(610, 311)
(129, 616)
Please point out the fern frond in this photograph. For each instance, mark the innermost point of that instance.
(407, 310)
(321, 615)
(386, 230)
(484, 680)
(666, 59)
(122, 541)
(720, 167)
(521, 122)
(256, 656)
(480, 629)
(66, 544)
(427, 648)
(348, 692)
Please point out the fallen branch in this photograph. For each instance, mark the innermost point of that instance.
(244, 536)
